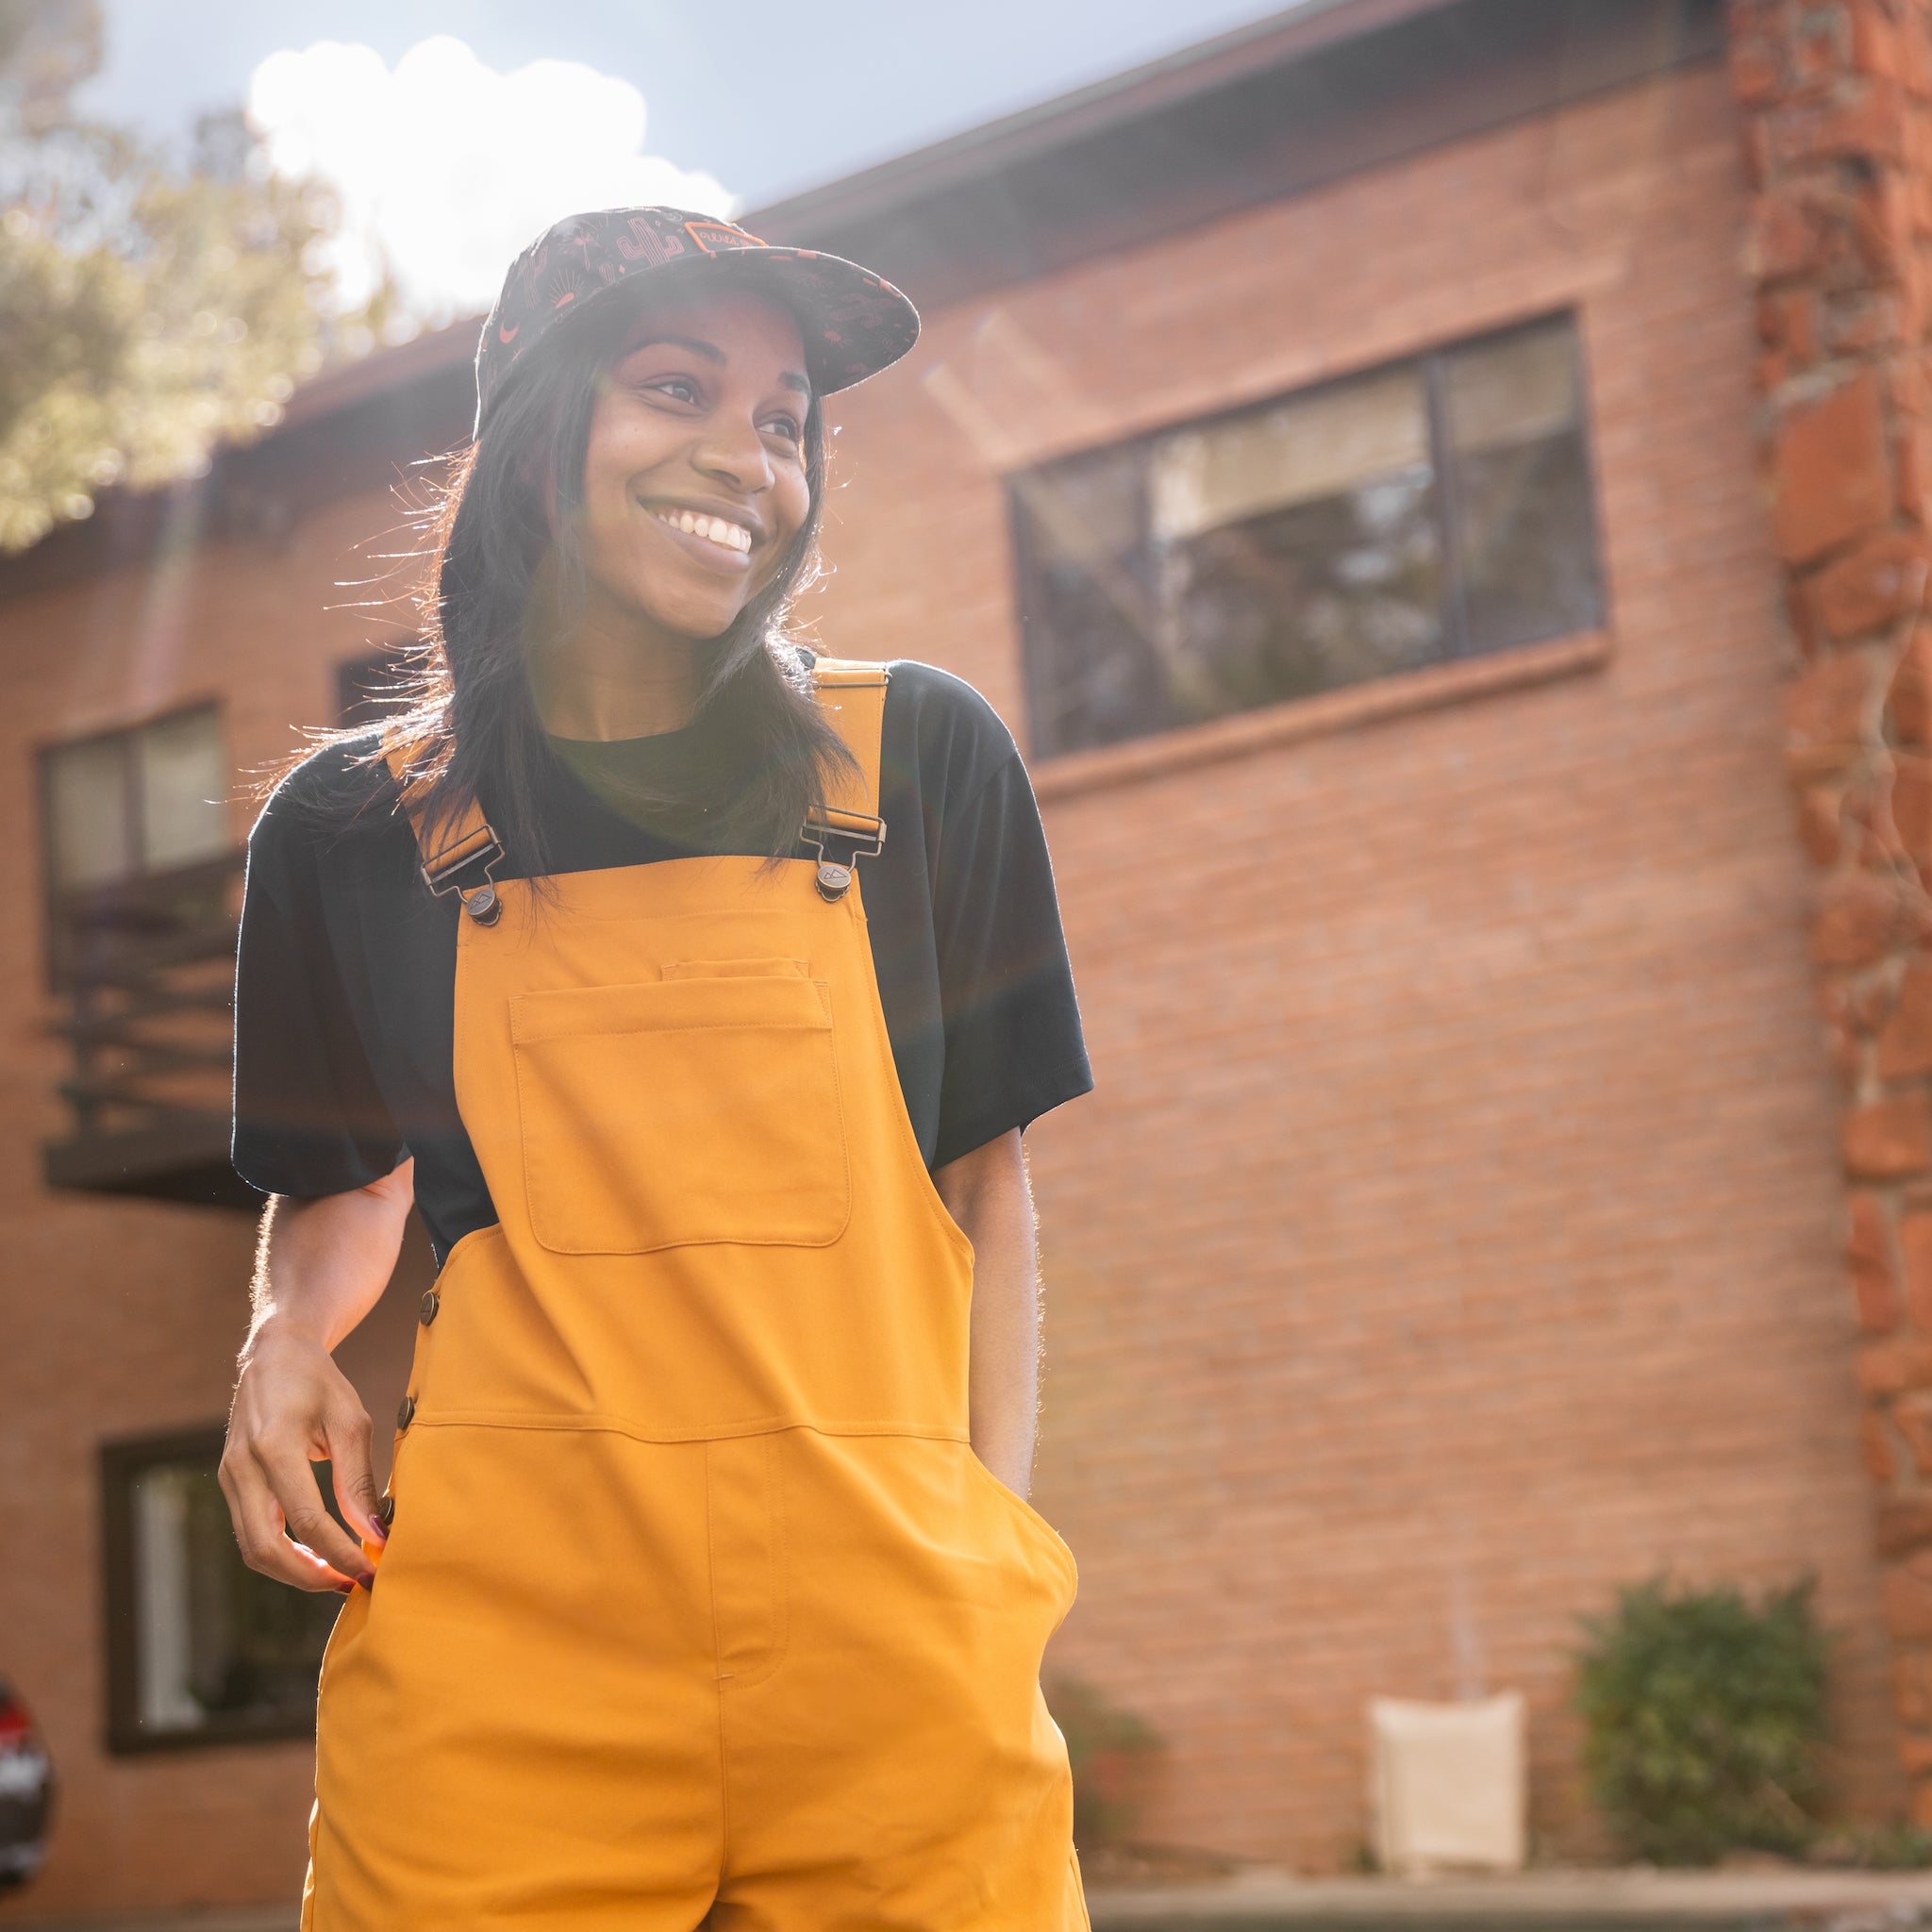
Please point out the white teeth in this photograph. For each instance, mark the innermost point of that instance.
(730, 536)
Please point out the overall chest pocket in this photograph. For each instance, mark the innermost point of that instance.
(701, 1108)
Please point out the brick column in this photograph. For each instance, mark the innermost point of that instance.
(1836, 103)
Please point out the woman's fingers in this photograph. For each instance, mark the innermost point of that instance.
(357, 1496)
(328, 1555)
(257, 1519)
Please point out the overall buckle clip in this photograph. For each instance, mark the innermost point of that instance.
(466, 870)
(851, 835)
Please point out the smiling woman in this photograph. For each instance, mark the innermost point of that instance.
(571, 602)
(712, 532)
(709, 1488)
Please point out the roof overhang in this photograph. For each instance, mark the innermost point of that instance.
(1277, 109)
(871, 193)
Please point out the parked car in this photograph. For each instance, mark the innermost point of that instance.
(26, 1793)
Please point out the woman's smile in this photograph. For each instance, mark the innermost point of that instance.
(716, 537)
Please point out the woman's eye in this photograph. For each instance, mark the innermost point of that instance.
(787, 426)
(680, 386)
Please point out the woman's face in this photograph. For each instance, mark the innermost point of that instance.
(694, 478)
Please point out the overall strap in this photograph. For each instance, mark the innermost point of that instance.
(461, 853)
(847, 828)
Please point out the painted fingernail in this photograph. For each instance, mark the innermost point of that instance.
(375, 1524)
(346, 1590)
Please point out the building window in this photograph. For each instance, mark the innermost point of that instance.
(128, 804)
(201, 1649)
(1434, 510)
(375, 686)
(135, 830)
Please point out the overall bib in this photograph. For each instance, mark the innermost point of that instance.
(697, 1606)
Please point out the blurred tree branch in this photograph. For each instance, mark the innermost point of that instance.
(148, 310)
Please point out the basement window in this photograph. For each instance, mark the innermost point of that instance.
(1436, 508)
(201, 1649)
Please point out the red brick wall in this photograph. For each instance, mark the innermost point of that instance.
(120, 1318)
(1837, 120)
(1454, 1235)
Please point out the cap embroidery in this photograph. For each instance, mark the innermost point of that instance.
(712, 236)
(645, 242)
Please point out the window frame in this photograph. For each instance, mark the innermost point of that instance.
(1430, 360)
(120, 1462)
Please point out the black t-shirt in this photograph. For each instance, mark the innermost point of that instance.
(344, 1006)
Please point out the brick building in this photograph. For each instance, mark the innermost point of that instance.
(1423, 478)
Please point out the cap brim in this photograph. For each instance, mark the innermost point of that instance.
(854, 323)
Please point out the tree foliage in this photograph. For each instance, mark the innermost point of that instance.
(1705, 1720)
(147, 309)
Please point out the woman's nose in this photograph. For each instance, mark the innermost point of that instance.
(734, 454)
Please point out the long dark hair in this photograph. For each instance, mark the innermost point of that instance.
(759, 752)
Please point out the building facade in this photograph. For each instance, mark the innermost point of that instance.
(1340, 455)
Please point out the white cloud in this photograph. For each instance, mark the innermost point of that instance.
(446, 167)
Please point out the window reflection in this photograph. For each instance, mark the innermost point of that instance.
(1354, 531)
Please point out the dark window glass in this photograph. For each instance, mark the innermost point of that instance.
(201, 1648)
(372, 688)
(1082, 535)
(1424, 512)
(1513, 410)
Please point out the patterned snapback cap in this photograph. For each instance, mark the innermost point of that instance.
(854, 321)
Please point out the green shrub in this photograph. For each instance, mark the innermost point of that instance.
(1704, 1718)
(1112, 1752)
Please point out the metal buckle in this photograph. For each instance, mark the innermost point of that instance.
(479, 900)
(859, 833)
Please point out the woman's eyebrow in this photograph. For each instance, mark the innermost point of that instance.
(696, 344)
(791, 378)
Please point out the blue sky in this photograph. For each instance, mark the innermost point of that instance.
(766, 96)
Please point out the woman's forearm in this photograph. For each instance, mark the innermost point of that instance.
(986, 1194)
(320, 1266)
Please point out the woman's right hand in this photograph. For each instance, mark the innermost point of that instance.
(294, 1407)
(319, 1267)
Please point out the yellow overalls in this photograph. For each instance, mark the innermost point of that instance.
(696, 1599)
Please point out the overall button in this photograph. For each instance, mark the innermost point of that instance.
(432, 1302)
(386, 1513)
(406, 1413)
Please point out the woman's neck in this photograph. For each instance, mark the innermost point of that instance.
(614, 674)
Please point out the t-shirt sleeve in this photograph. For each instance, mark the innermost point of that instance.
(309, 1118)
(1013, 1045)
